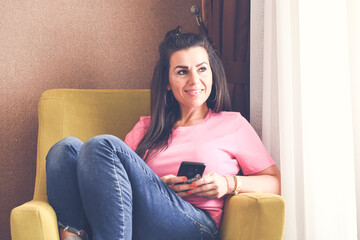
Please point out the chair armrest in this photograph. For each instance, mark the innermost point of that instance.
(34, 220)
(253, 216)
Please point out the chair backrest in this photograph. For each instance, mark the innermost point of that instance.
(84, 114)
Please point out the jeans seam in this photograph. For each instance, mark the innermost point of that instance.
(139, 166)
(122, 233)
(120, 150)
(204, 228)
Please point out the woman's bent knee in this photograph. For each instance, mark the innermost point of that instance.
(65, 145)
(63, 153)
(102, 140)
(101, 143)
(98, 151)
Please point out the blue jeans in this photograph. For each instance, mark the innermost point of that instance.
(106, 189)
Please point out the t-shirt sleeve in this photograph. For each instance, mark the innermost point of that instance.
(252, 155)
(134, 137)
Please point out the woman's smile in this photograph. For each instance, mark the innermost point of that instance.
(194, 92)
(190, 78)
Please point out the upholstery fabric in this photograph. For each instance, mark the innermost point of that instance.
(87, 113)
(253, 216)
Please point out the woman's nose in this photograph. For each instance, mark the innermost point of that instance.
(194, 78)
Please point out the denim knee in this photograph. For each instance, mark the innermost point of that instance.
(58, 155)
(103, 186)
(100, 141)
(104, 145)
(62, 184)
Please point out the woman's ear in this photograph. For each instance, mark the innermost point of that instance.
(168, 87)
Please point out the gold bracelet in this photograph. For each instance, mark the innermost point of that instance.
(238, 185)
(235, 182)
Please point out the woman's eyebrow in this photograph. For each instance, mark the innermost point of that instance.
(186, 67)
(202, 64)
(182, 67)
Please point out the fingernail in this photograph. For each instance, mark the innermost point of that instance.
(188, 192)
(192, 185)
(184, 178)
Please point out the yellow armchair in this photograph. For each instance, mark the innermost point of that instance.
(87, 113)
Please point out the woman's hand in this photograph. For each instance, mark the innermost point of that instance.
(211, 185)
(180, 189)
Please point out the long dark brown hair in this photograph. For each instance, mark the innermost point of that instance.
(165, 110)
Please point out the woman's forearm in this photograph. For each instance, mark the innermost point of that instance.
(267, 181)
(262, 183)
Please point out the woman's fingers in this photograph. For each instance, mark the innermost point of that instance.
(175, 183)
(211, 185)
(166, 178)
(172, 179)
(176, 180)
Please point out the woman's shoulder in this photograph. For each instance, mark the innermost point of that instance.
(144, 120)
(136, 134)
(142, 124)
(231, 119)
(227, 115)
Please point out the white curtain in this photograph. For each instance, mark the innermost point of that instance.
(305, 104)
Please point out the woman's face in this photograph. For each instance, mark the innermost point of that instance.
(190, 77)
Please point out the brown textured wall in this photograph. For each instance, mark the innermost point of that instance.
(69, 44)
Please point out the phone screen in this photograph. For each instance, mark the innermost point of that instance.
(192, 170)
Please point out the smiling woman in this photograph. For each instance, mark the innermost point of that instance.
(127, 189)
(190, 80)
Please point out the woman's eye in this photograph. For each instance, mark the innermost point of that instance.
(181, 72)
(202, 69)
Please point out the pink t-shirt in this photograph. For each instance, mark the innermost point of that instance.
(224, 141)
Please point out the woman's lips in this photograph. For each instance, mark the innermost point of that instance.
(194, 92)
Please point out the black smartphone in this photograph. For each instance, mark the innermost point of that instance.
(192, 170)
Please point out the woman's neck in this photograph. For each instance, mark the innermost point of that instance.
(191, 117)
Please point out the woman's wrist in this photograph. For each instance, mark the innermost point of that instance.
(233, 184)
(230, 184)
(238, 183)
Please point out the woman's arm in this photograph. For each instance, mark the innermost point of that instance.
(266, 181)
(215, 186)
